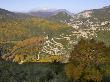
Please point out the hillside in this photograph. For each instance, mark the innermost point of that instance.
(92, 22)
(58, 38)
(16, 30)
(25, 27)
(60, 15)
(54, 41)
(6, 15)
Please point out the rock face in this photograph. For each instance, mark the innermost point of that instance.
(85, 14)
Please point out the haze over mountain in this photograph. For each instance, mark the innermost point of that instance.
(48, 12)
(61, 15)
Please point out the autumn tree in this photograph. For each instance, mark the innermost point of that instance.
(87, 60)
(25, 50)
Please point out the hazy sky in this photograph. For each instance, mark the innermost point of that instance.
(71, 5)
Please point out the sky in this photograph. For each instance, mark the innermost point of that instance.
(74, 6)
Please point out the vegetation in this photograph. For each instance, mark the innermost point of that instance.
(63, 17)
(103, 36)
(27, 28)
(22, 38)
(31, 72)
(89, 61)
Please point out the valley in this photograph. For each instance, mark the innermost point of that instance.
(55, 46)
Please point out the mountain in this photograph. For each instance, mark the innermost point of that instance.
(95, 22)
(60, 15)
(42, 14)
(8, 15)
(60, 32)
(101, 14)
(47, 13)
(16, 31)
(5, 14)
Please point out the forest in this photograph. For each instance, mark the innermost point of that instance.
(88, 62)
(56, 46)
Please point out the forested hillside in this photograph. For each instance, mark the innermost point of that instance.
(59, 48)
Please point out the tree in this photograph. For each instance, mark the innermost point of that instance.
(89, 56)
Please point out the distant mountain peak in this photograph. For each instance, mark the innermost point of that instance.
(45, 13)
(106, 7)
(64, 11)
(50, 10)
